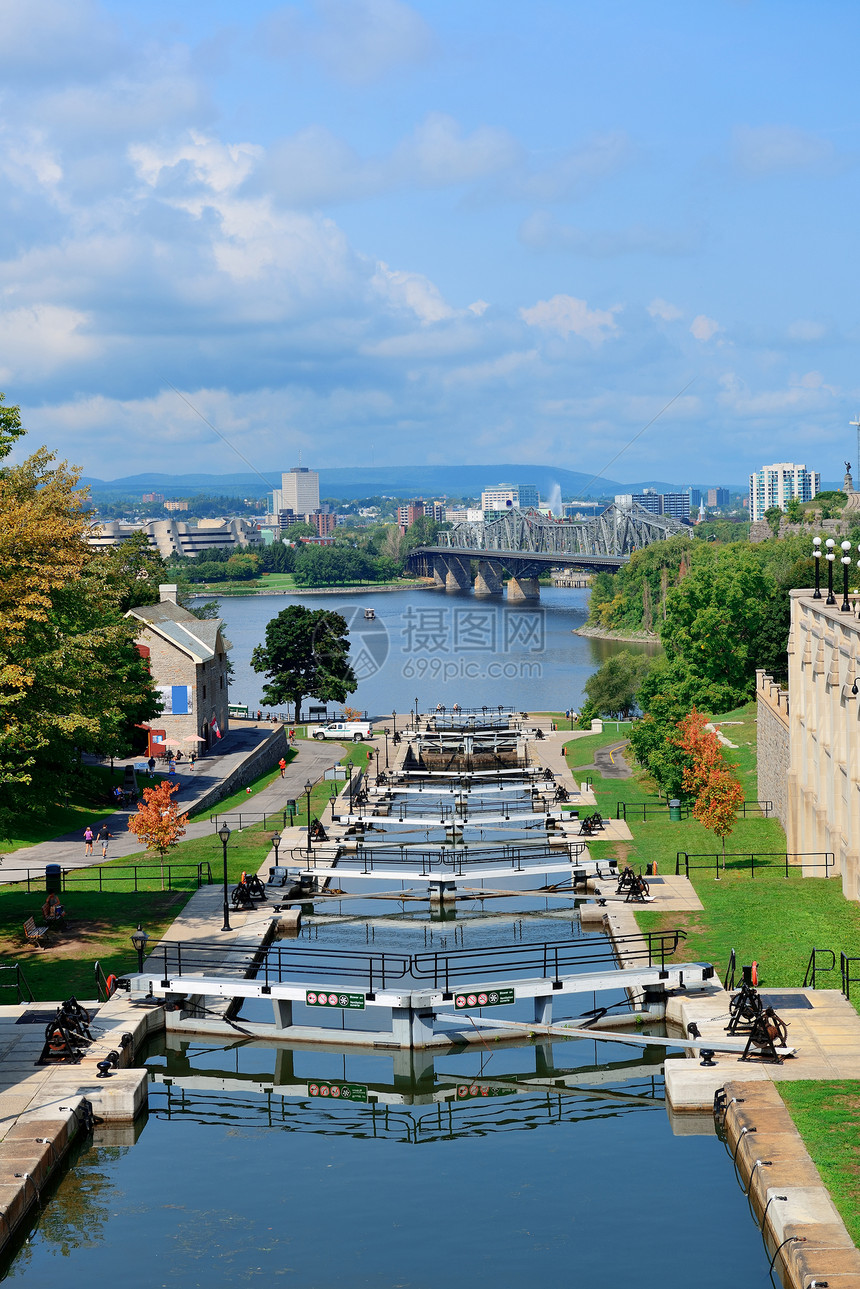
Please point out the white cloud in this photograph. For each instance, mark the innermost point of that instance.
(806, 393)
(411, 291)
(207, 162)
(567, 315)
(806, 330)
(35, 341)
(478, 307)
(577, 170)
(438, 154)
(662, 309)
(704, 328)
(767, 149)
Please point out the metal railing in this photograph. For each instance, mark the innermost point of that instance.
(519, 857)
(652, 809)
(240, 819)
(814, 968)
(544, 958)
(729, 977)
(762, 862)
(168, 876)
(275, 964)
(19, 982)
(845, 965)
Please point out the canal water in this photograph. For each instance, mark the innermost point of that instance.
(441, 647)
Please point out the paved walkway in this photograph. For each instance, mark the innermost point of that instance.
(312, 759)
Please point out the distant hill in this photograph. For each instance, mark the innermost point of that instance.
(398, 481)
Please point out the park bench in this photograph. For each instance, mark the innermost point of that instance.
(35, 934)
(53, 912)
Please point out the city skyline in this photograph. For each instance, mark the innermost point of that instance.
(393, 232)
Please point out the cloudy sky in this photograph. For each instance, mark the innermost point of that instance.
(445, 231)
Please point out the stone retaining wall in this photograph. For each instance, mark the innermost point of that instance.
(772, 744)
(265, 757)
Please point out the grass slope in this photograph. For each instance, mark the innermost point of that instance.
(827, 1116)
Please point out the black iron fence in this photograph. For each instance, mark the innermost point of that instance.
(275, 964)
(106, 877)
(759, 864)
(645, 810)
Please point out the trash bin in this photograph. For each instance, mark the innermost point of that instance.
(53, 879)
(675, 810)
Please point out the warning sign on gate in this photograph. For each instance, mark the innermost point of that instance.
(338, 1091)
(322, 998)
(484, 998)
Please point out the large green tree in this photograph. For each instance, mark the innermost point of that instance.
(306, 654)
(71, 678)
(613, 688)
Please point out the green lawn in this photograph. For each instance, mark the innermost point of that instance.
(88, 803)
(241, 796)
(827, 1116)
(769, 918)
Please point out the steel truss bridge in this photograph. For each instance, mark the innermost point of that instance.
(523, 543)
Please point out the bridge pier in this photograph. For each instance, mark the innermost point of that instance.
(458, 576)
(440, 569)
(523, 588)
(488, 579)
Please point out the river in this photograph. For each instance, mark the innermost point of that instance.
(442, 647)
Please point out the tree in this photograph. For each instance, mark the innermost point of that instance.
(306, 654)
(773, 519)
(158, 822)
(300, 529)
(71, 678)
(612, 689)
(703, 749)
(717, 804)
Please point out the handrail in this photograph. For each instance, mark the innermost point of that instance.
(101, 981)
(283, 817)
(734, 861)
(279, 963)
(546, 957)
(845, 970)
(813, 970)
(20, 985)
(729, 978)
(381, 857)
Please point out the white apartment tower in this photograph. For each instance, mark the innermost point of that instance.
(776, 485)
(299, 492)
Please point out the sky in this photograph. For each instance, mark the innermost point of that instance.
(369, 231)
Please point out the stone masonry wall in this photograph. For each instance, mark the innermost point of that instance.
(266, 757)
(772, 742)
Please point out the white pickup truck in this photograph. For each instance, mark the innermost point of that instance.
(358, 731)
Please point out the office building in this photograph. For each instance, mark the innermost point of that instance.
(774, 486)
(695, 498)
(408, 513)
(718, 497)
(510, 496)
(299, 492)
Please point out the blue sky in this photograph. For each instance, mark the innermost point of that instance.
(440, 232)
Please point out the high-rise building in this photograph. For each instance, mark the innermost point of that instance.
(718, 497)
(408, 513)
(299, 492)
(774, 486)
(695, 498)
(676, 504)
(510, 496)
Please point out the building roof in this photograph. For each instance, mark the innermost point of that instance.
(197, 637)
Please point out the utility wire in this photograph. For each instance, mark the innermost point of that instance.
(636, 436)
(224, 439)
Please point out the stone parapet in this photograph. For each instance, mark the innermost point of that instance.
(773, 746)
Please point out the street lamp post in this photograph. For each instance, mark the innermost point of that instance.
(845, 607)
(276, 841)
(416, 713)
(308, 787)
(830, 556)
(385, 731)
(394, 721)
(224, 834)
(816, 555)
(139, 939)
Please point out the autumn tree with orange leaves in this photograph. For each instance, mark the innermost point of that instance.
(708, 777)
(158, 822)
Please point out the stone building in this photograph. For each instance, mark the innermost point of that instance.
(188, 661)
(809, 738)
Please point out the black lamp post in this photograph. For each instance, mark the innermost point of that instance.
(308, 787)
(816, 555)
(139, 939)
(830, 557)
(385, 731)
(416, 713)
(276, 841)
(845, 607)
(394, 721)
(224, 834)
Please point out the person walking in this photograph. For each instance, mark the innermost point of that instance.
(88, 839)
(104, 837)
(151, 766)
(292, 737)
(282, 766)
